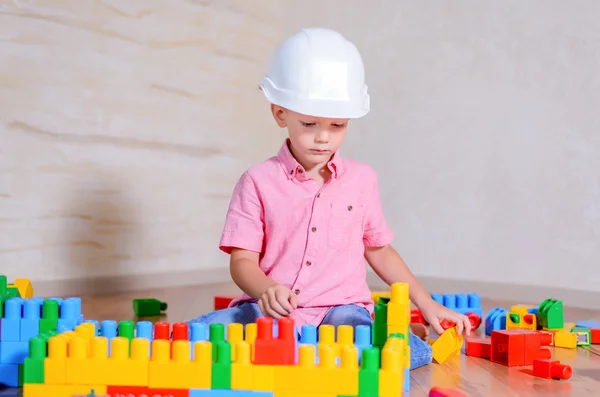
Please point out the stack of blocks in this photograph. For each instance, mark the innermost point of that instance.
(261, 359)
(25, 317)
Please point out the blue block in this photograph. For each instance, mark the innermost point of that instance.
(11, 323)
(588, 324)
(495, 320)
(228, 393)
(108, 329)
(9, 375)
(30, 323)
(533, 310)
(13, 352)
(461, 303)
(362, 339)
(308, 335)
(407, 379)
(143, 329)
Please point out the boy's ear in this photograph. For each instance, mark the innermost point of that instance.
(279, 114)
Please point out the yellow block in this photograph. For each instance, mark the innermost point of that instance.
(520, 309)
(391, 374)
(565, 339)
(379, 294)
(23, 285)
(326, 378)
(180, 372)
(43, 390)
(448, 344)
(235, 334)
(242, 368)
(250, 337)
(55, 365)
(263, 377)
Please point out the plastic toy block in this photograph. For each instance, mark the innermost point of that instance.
(379, 326)
(230, 393)
(584, 336)
(11, 323)
(280, 351)
(368, 375)
(264, 377)
(495, 320)
(566, 340)
(521, 309)
(398, 307)
(550, 314)
(376, 295)
(416, 317)
(12, 292)
(49, 320)
(241, 368)
(179, 372)
(43, 390)
(391, 374)
(508, 347)
(33, 366)
(235, 334)
(30, 323)
(460, 303)
(138, 391)
(148, 307)
(221, 368)
(534, 342)
(222, 302)
(587, 324)
(13, 352)
(595, 336)
(521, 321)
(70, 311)
(448, 344)
(445, 392)
(551, 369)
(478, 347)
(9, 375)
(23, 285)
(326, 377)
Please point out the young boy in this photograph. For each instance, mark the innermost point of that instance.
(301, 224)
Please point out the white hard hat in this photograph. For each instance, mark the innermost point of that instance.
(317, 72)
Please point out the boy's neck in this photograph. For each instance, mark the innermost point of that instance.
(319, 172)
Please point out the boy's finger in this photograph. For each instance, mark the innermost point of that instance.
(275, 305)
(437, 327)
(293, 300)
(467, 326)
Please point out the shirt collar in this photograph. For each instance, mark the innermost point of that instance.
(293, 169)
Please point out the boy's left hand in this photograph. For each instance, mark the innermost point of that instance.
(434, 313)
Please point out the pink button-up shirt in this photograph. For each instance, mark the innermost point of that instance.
(310, 238)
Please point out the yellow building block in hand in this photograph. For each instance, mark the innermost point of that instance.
(449, 343)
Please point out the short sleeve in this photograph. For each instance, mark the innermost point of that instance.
(377, 233)
(244, 224)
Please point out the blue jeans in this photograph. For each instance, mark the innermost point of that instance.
(248, 312)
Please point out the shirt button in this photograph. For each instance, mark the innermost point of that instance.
(318, 194)
(314, 229)
(296, 291)
(349, 208)
(291, 172)
(300, 170)
(308, 263)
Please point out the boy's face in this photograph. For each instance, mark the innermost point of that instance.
(314, 139)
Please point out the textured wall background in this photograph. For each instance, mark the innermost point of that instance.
(124, 125)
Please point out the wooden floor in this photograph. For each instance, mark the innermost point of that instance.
(475, 377)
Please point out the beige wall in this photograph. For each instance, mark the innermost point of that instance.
(124, 125)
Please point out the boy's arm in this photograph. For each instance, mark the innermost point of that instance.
(391, 268)
(246, 274)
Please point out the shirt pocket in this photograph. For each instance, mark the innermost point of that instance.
(345, 228)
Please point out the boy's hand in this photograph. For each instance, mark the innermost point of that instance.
(277, 301)
(435, 313)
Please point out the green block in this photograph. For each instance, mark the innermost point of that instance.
(379, 328)
(584, 335)
(12, 292)
(49, 320)
(550, 314)
(148, 307)
(3, 287)
(368, 375)
(221, 368)
(216, 335)
(33, 366)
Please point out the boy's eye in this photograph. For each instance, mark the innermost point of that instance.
(339, 125)
(307, 124)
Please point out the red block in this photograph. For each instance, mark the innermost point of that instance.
(475, 320)
(141, 391)
(417, 317)
(595, 335)
(280, 351)
(162, 330)
(478, 347)
(180, 331)
(508, 347)
(551, 369)
(534, 341)
(445, 392)
(222, 302)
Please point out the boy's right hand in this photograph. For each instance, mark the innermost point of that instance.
(277, 301)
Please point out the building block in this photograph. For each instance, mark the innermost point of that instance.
(9, 375)
(221, 368)
(70, 311)
(534, 342)
(445, 392)
(148, 307)
(178, 371)
(550, 314)
(508, 347)
(33, 366)
(417, 317)
(42, 390)
(595, 336)
(49, 320)
(460, 303)
(13, 352)
(584, 335)
(448, 344)
(222, 302)
(280, 351)
(566, 340)
(588, 324)
(525, 321)
(495, 320)
(228, 393)
(478, 347)
(551, 369)
(30, 323)
(23, 285)
(11, 322)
